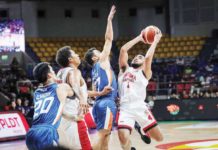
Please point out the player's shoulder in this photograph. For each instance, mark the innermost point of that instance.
(72, 71)
(63, 86)
(65, 70)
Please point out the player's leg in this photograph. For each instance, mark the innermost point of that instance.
(106, 139)
(83, 136)
(103, 138)
(68, 134)
(125, 126)
(156, 134)
(148, 123)
(63, 139)
(104, 112)
(154, 131)
(124, 137)
(145, 137)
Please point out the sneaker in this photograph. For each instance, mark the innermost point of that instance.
(133, 148)
(144, 138)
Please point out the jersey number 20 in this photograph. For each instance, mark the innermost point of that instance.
(43, 106)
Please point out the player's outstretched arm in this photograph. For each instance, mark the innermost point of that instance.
(108, 37)
(105, 91)
(123, 58)
(149, 55)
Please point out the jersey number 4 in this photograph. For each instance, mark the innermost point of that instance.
(43, 106)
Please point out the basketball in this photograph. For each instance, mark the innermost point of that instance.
(148, 34)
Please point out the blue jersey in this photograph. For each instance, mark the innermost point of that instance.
(100, 80)
(46, 106)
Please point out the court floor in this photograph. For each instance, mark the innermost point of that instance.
(192, 131)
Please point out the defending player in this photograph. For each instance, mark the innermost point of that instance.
(104, 109)
(132, 89)
(72, 124)
(73, 129)
(48, 103)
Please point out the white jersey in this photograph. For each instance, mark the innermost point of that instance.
(132, 86)
(71, 131)
(71, 107)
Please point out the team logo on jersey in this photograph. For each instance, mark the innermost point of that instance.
(129, 77)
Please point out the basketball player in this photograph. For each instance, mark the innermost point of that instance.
(132, 89)
(48, 103)
(73, 130)
(72, 124)
(104, 109)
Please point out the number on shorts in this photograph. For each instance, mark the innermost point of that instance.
(149, 117)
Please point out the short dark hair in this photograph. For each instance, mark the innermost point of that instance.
(62, 56)
(40, 72)
(88, 56)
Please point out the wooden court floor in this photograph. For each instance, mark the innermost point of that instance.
(172, 131)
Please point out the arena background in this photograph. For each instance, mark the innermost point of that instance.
(184, 85)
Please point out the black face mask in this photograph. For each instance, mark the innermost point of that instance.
(135, 66)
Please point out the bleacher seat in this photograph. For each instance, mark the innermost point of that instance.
(169, 47)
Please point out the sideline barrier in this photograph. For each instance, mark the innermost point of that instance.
(186, 109)
(13, 125)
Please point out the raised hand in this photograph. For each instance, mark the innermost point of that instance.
(140, 36)
(112, 12)
(157, 36)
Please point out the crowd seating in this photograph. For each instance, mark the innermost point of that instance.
(46, 48)
(169, 47)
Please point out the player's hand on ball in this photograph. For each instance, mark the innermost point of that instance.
(141, 36)
(112, 12)
(158, 36)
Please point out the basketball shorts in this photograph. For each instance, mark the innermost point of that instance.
(89, 119)
(130, 114)
(41, 137)
(74, 135)
(104, 113)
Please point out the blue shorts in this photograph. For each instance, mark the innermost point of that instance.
(41, 137)
(104, 113)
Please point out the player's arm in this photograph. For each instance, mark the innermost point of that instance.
(104, 56)
(64, 91)
(149, 55)
(123, 58)
(105, 91)
(73, 79)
